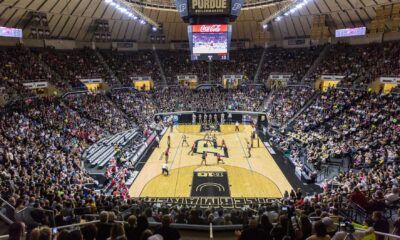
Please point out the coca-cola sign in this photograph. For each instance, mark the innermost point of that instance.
(210, 28)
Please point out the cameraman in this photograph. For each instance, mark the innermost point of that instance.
(348, 228)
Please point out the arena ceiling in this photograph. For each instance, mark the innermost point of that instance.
(74, 19)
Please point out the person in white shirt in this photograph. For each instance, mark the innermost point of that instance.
(164, 169)
(392, 196)
(237, 126)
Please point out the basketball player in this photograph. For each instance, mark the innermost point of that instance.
(223, 144)
(192, 149)
(200, 121)
(184, 141)
(169, 142)
(219, 159)
(249, 149)
(194, 118)
(204, 158)
(210, 118)
(222, 118)
(205, 118)
(215, 119)
(158, 141)
(237, 126)
(164, 169)
(166, 154)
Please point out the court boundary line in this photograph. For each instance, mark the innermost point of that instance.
(244, 151)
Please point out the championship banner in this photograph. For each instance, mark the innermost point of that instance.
(209, 7)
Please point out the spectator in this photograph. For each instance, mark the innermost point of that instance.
(166, 231)
(320, 232)
(16, 231)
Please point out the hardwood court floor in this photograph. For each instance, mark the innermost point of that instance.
(257, 176)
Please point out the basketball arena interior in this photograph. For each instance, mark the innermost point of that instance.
(199, 119)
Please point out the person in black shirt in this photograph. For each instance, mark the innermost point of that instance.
(167, 232)
(253, 232)
(130, 227)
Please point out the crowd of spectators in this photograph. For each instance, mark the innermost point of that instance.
(295, 61)
(286, 102)
(73, 65)
(183, 99)
(361, 64)
(297, 215)
(241, 62)
(42, 139)
(19, 65)
(132, 64)
(360, 126)
(176, 63)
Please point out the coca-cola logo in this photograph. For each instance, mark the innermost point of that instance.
(210, 28)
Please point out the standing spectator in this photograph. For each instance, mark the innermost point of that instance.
(380, 224)
(253, 232)
(130, 227)
(167, 232)
(16, 231)
(320, 232)
(104, 228)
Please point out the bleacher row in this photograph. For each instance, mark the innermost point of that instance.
(64, 68)
(100, 153)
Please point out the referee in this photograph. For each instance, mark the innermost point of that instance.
(204, 158)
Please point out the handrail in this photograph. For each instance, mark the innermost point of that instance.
(6, 219)
(211, 231)
(7, 203)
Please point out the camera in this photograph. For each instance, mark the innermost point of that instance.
(348, 227)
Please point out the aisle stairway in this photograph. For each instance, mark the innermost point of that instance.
(163, 78)
(114, 78)
(256, 76)
(316, 63)
(310, 101)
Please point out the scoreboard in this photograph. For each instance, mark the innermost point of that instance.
(209, 32)
(209, 7)
(209, 42)
(216, 8)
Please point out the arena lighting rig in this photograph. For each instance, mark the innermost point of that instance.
(209, 29)
(286, 8)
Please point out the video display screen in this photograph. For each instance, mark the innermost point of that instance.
(351, 32)
(10, 32)
(209, 42)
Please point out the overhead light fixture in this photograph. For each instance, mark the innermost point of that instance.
(278, 19)
(142, 21)
(113, 4)
(154, 29)
(108, 1)
(265, 26)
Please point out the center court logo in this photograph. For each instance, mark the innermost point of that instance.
(218, 186)
(210, 184)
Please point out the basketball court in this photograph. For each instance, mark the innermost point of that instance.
(240, 176)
